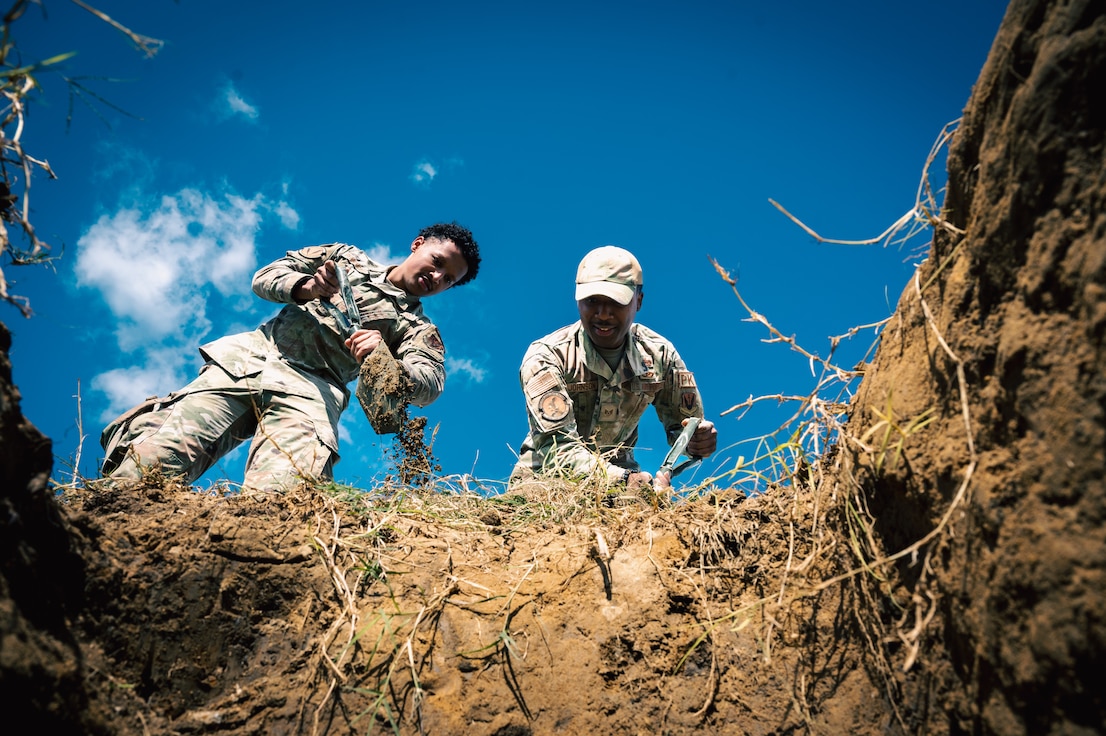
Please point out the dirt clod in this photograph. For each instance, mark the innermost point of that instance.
(384, 390)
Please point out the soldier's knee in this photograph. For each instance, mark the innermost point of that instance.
(273, 468)
(137, 461)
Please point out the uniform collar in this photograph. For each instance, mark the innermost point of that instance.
(635, 362)
(380, 279)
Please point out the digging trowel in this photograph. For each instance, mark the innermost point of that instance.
(350, 320)
(672, 462)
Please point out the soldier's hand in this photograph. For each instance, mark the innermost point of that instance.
(637, 482)
(704, 441)
(662, 483)
(322, 285)
(362, 343)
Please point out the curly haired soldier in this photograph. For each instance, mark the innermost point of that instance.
(285, 384)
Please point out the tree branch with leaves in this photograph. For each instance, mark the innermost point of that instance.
(17, 166)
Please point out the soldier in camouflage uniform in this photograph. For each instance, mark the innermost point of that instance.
(285, 383)
(587, 385)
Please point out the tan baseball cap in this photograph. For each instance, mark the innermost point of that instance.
(608, 271)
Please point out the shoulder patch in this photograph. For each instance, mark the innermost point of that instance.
(685, 379)
(554, 406)
(434, 340)
(313, 251)
(431, 341)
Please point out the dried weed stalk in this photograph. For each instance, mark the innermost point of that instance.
(825, 518)
(17, 166)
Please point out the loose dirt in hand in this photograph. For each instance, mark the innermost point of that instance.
(384, 390)
(413, 455)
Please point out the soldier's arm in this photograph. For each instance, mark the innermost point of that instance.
(553, 431)
(679, 400)
(422, 354)
(277, 281)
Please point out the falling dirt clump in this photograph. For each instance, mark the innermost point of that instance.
(413, 455)
(384, 390)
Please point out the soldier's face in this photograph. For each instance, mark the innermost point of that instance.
(606, 321)
(433, 266)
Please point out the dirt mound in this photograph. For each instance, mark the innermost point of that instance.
(939, 571)
(441, 614)
(998, 343)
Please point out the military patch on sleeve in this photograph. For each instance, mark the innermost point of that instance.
(431, 342)
(688, 401)
(554, 406)
(540, 383)
(434, 340)
(685, 379)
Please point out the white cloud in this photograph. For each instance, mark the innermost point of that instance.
(235, 104)
(383, 254)
(467, 367)
(424, 173)
(172, 270)
(164, 370)
(154, 266)
(288, 216)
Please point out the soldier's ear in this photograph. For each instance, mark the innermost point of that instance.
(416, 243)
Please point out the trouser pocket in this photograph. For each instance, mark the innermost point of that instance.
(118, 435)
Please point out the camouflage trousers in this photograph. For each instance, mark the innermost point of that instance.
(294, 437)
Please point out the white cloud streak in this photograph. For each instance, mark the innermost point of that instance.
(288, 215)
(466, 367)
(383, 254)
(424, 173)
(235, 104)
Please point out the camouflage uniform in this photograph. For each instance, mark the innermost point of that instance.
(284, 384)
(583, 415)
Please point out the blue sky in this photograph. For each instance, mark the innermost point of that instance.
(546, 128)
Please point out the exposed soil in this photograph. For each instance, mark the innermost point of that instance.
(942, 570)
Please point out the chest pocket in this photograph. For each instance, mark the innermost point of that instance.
(379, 316)
(583, 395)
(626, 406)
(639, 394)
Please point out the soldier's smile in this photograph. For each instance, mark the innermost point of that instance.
(606, 321)
(433, 266)
(602, 332)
